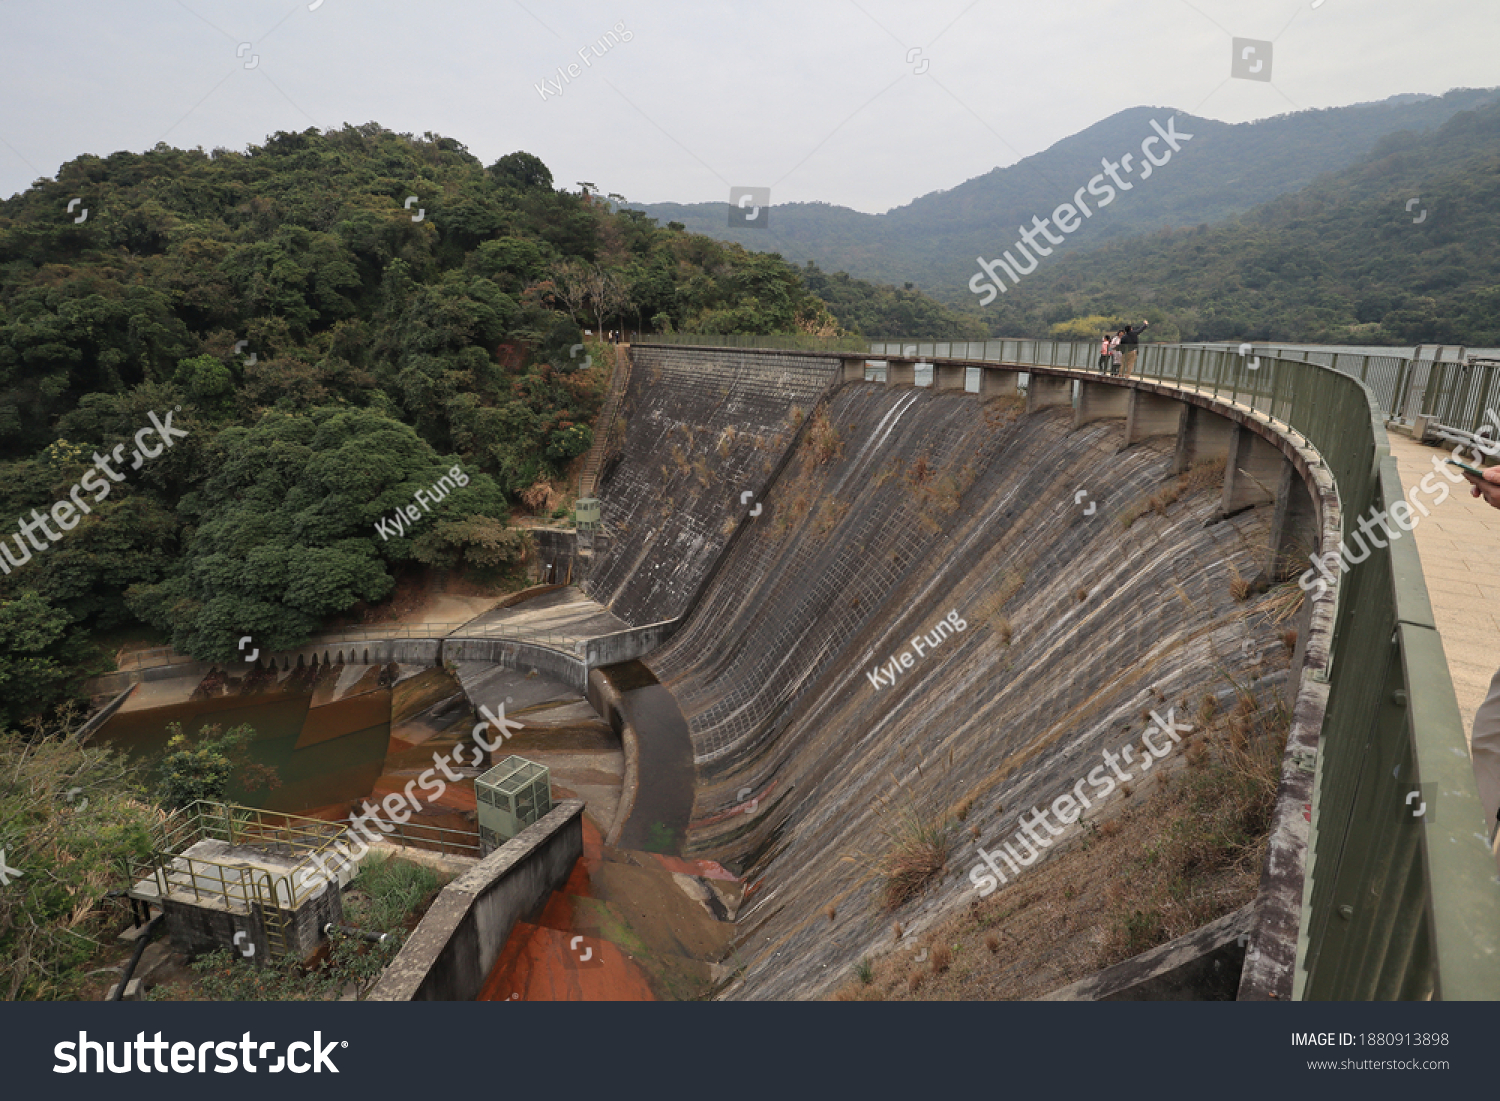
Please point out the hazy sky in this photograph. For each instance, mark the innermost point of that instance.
(865, 103)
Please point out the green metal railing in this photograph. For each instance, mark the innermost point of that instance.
(1396, 903)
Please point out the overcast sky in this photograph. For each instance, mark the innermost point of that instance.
(864, 103)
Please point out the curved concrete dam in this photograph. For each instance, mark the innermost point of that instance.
(944, 601)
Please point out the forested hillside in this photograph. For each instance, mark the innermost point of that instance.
(1223, 171)
(1402, 248)
(225, 377)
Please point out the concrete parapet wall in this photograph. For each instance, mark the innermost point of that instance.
(523, 656)
(627, 645)
(450, 954)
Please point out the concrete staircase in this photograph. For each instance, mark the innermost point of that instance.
(588, 481)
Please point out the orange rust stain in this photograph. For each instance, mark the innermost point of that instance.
(546, 965)
(455, 798)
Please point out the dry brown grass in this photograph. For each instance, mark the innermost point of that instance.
(1208, 707)
(990, 608)
(541, 497)
(917, 846)
(824, 437)
(1201, 475)
(1183, 853)
(1282, 602)
(1207, 855)
(942, 958)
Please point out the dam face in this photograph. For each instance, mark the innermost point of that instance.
(943, 600)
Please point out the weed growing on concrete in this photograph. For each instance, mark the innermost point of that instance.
(1208, 707)
(1213, 828)
(824, 437)
(918, 844)
(1201, 475)
(1283, 602)
(942, 958)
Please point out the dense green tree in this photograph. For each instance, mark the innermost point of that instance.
(304, 518)
(36, 656)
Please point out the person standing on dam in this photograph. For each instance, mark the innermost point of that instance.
(1484, 745)
(1129, 340)
(1104, 354)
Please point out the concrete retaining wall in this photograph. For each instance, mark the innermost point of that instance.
(627, 645)
(450, 954)
(523, 656)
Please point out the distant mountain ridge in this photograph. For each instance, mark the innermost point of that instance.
(1226, 169)
(1401, 247)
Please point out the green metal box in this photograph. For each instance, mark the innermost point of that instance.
(586, 513)
(510, 797)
